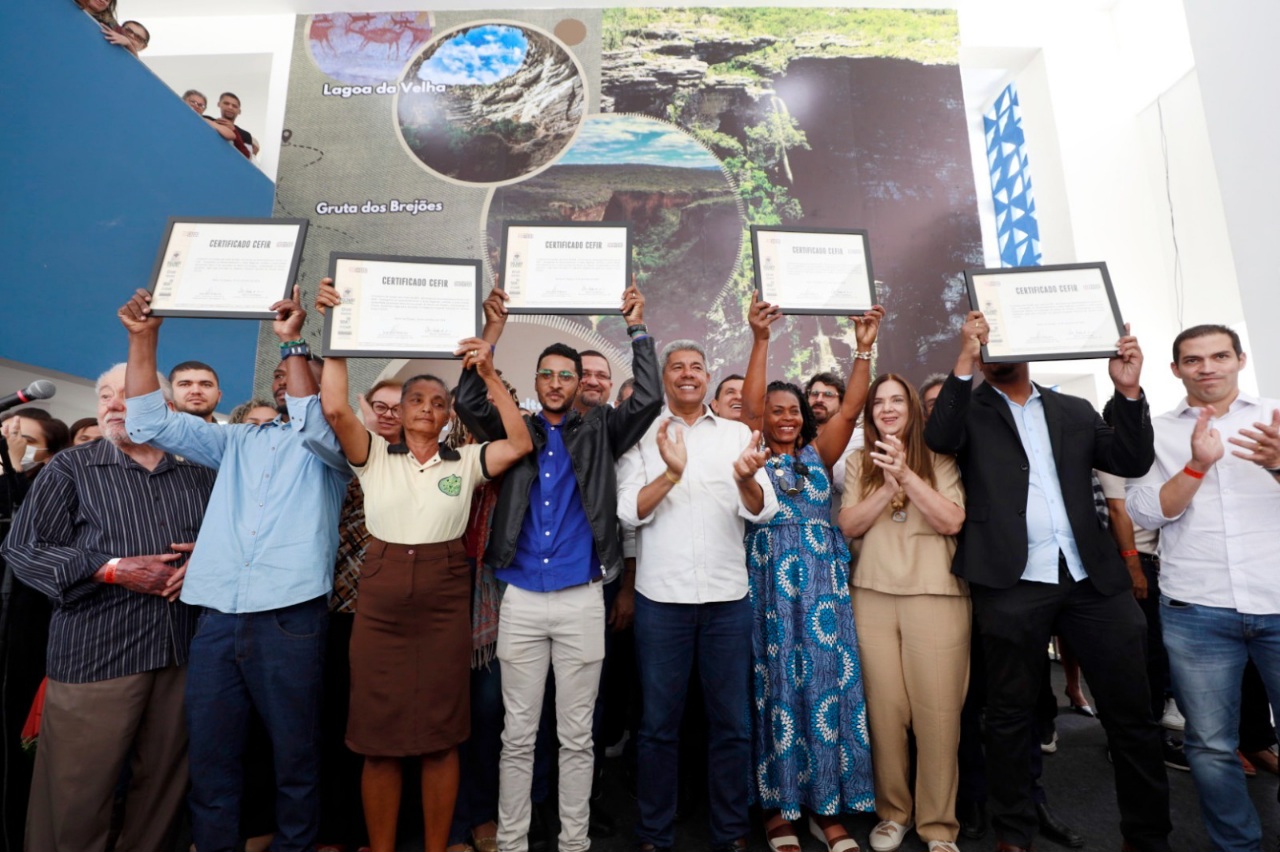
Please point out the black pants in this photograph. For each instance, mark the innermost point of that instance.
(1157, 659)
(1108, 634)
(22, 664)
(341, 811)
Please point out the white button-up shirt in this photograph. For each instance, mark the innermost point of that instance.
(1048, 527)
(1221, 551)
(689, 550)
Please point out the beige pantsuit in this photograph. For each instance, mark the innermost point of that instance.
(915, 670)
(913, 618)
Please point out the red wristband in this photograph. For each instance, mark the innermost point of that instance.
(1127, 553)
(1194, 474)
(109, 574)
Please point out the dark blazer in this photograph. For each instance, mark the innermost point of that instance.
(977, 427)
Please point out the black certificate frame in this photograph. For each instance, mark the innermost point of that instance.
(756, 230)
(476, 267)
(576, 310)
(1030, 272)
(290, 277)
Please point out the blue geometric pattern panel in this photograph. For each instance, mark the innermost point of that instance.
(1016, 227)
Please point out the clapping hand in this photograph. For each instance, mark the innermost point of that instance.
(1206, 443)
(891, 457)
(672, 448)
(1261, 444)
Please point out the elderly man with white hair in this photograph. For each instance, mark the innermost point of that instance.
(104, 533)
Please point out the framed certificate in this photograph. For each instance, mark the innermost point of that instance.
(233, 268)
(822, 271)
(401, 307)
(1046, 313)
(565, 267)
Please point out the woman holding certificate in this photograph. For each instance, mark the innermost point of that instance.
(905, 503)
(809, 744)
(411, 645)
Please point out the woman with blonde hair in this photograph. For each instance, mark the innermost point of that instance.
(905, 503)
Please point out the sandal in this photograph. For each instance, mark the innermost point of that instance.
(842, 843)
(781, 835)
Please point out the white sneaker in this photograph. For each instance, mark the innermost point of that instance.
(1172, 718)
(888, 835)
(943, 846)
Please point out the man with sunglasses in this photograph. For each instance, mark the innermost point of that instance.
(553, 539)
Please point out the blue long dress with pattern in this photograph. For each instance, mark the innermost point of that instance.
(809, 725)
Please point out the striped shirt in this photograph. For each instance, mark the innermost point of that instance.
(91, 504)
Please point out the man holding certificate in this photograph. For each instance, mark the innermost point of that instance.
(263, 571)
(1038, 563)
(554, 537)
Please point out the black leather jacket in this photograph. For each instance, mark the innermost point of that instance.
(594, 442)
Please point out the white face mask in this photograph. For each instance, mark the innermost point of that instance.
(29, 457)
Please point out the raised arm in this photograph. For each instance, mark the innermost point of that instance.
(628, 422)
(501, 454)
(149, 419)
(760, 317)
(834, 436)
(472, 403)
(352, 435)
(945, 431)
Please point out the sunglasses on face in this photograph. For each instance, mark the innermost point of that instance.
(562, 375)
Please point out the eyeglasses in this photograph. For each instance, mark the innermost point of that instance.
(562, 375)
(382, 409)
(823, 394)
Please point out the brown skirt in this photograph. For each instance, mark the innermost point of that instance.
(411, 650)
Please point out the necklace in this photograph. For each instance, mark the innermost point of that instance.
(899, 506)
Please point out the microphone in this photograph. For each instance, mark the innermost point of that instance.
(39, 389)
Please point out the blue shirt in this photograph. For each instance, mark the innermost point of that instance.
(1048, 528)
(271, 529)
(555, 549)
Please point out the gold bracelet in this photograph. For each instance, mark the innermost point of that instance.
(674, 480)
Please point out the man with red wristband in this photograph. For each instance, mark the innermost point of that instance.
(104, 533)
(1220, 592)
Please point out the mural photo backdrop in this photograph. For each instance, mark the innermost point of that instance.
(421, 133)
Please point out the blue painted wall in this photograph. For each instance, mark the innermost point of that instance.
(95, 154)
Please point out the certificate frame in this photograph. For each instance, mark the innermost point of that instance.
(977, 279)
(328, 348)
(578, 310)
(852, 310)
(158, 306)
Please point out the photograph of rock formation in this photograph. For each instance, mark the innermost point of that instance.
(490, 103)
(686, 220)
(844, 118)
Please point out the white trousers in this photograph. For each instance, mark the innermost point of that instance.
(563, 630)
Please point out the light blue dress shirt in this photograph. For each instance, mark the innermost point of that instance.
(1048, 527)
(271, 529)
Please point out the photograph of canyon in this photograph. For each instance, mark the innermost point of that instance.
(830, 118)
(496, 103)
(686, 224)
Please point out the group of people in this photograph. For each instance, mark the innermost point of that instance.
(131, 35)
(134, 37)
(438, 579)
(225, 125)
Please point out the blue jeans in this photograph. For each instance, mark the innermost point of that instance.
(667, 638)
(272, 662)
(1207, 648)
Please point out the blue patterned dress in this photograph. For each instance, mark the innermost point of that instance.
(809, 731)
